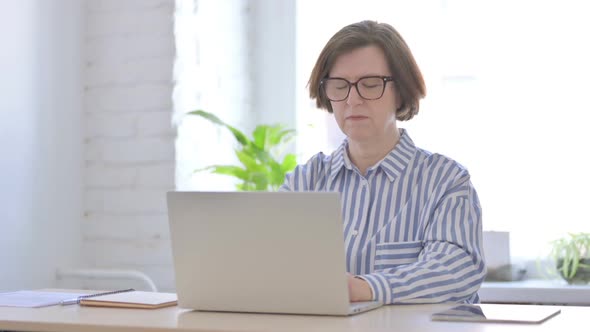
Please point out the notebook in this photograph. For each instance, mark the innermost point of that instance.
(497, 313)
(266, 252)
(35, 298)
(133, 299)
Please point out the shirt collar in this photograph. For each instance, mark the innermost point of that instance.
(393, 164)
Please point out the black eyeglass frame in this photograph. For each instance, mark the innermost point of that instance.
(350, 84)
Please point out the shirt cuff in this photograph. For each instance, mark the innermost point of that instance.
(379, 287)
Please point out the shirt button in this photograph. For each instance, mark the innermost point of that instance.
(355, 232)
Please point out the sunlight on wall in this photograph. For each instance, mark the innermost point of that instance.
(212, 74)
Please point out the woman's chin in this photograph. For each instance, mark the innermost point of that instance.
(358, 135)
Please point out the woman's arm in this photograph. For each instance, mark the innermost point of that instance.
(450, 266)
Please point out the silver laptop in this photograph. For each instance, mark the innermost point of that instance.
(265, 252)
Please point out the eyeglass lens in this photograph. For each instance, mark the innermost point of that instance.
(338, 89)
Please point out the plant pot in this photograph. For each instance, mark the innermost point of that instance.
(582, 276)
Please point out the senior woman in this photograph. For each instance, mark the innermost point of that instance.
(412, 218)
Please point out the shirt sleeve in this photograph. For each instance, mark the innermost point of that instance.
(450, 266)
(289, 184)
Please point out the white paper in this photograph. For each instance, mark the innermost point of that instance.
(35, 299)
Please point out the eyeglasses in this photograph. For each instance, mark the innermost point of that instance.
(368, 88)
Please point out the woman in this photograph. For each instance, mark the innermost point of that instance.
(412, 219)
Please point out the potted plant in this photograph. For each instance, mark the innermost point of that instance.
(261, 168)
(571, 255)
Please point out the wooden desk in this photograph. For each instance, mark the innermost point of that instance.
(389, 318)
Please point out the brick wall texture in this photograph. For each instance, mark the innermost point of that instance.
(129, 138)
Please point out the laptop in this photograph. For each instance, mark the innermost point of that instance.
(262, 252)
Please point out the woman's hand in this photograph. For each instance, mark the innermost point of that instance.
(358, 289)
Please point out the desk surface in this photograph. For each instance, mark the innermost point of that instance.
(406, 318)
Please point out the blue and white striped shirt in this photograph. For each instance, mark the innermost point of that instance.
(412, 225)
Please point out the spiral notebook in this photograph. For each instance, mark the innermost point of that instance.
(131, 299)
(76, 300)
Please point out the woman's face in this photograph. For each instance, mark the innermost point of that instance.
(359, 119)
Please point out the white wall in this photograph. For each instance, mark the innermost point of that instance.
(130, 153)
(129, 139)
(273, 61)
(40, 140)
(86, 162)
(227, 49)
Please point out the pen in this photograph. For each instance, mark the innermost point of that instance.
(77, 299)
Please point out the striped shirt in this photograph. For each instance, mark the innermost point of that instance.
(412, 224)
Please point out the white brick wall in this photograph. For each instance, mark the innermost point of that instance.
(129, 140)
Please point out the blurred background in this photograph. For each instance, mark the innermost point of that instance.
(94, 132)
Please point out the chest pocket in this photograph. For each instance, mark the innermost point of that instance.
(392, 254)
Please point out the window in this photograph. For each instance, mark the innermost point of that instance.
(507, 94)
(507, 97)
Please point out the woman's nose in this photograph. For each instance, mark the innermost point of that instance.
(353, 96)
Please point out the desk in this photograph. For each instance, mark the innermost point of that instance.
(390, 318)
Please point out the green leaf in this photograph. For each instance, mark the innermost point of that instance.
(261, 169)
(260, 180)
(568, 251)
(289, 163)
(575, 264)
(260, 135)
(266, 137)
(240, 137)
(247, 160)
(278, 135)
(246, 186)
(234, 171)
(277, 176)
(259, 154)
(204, 169)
